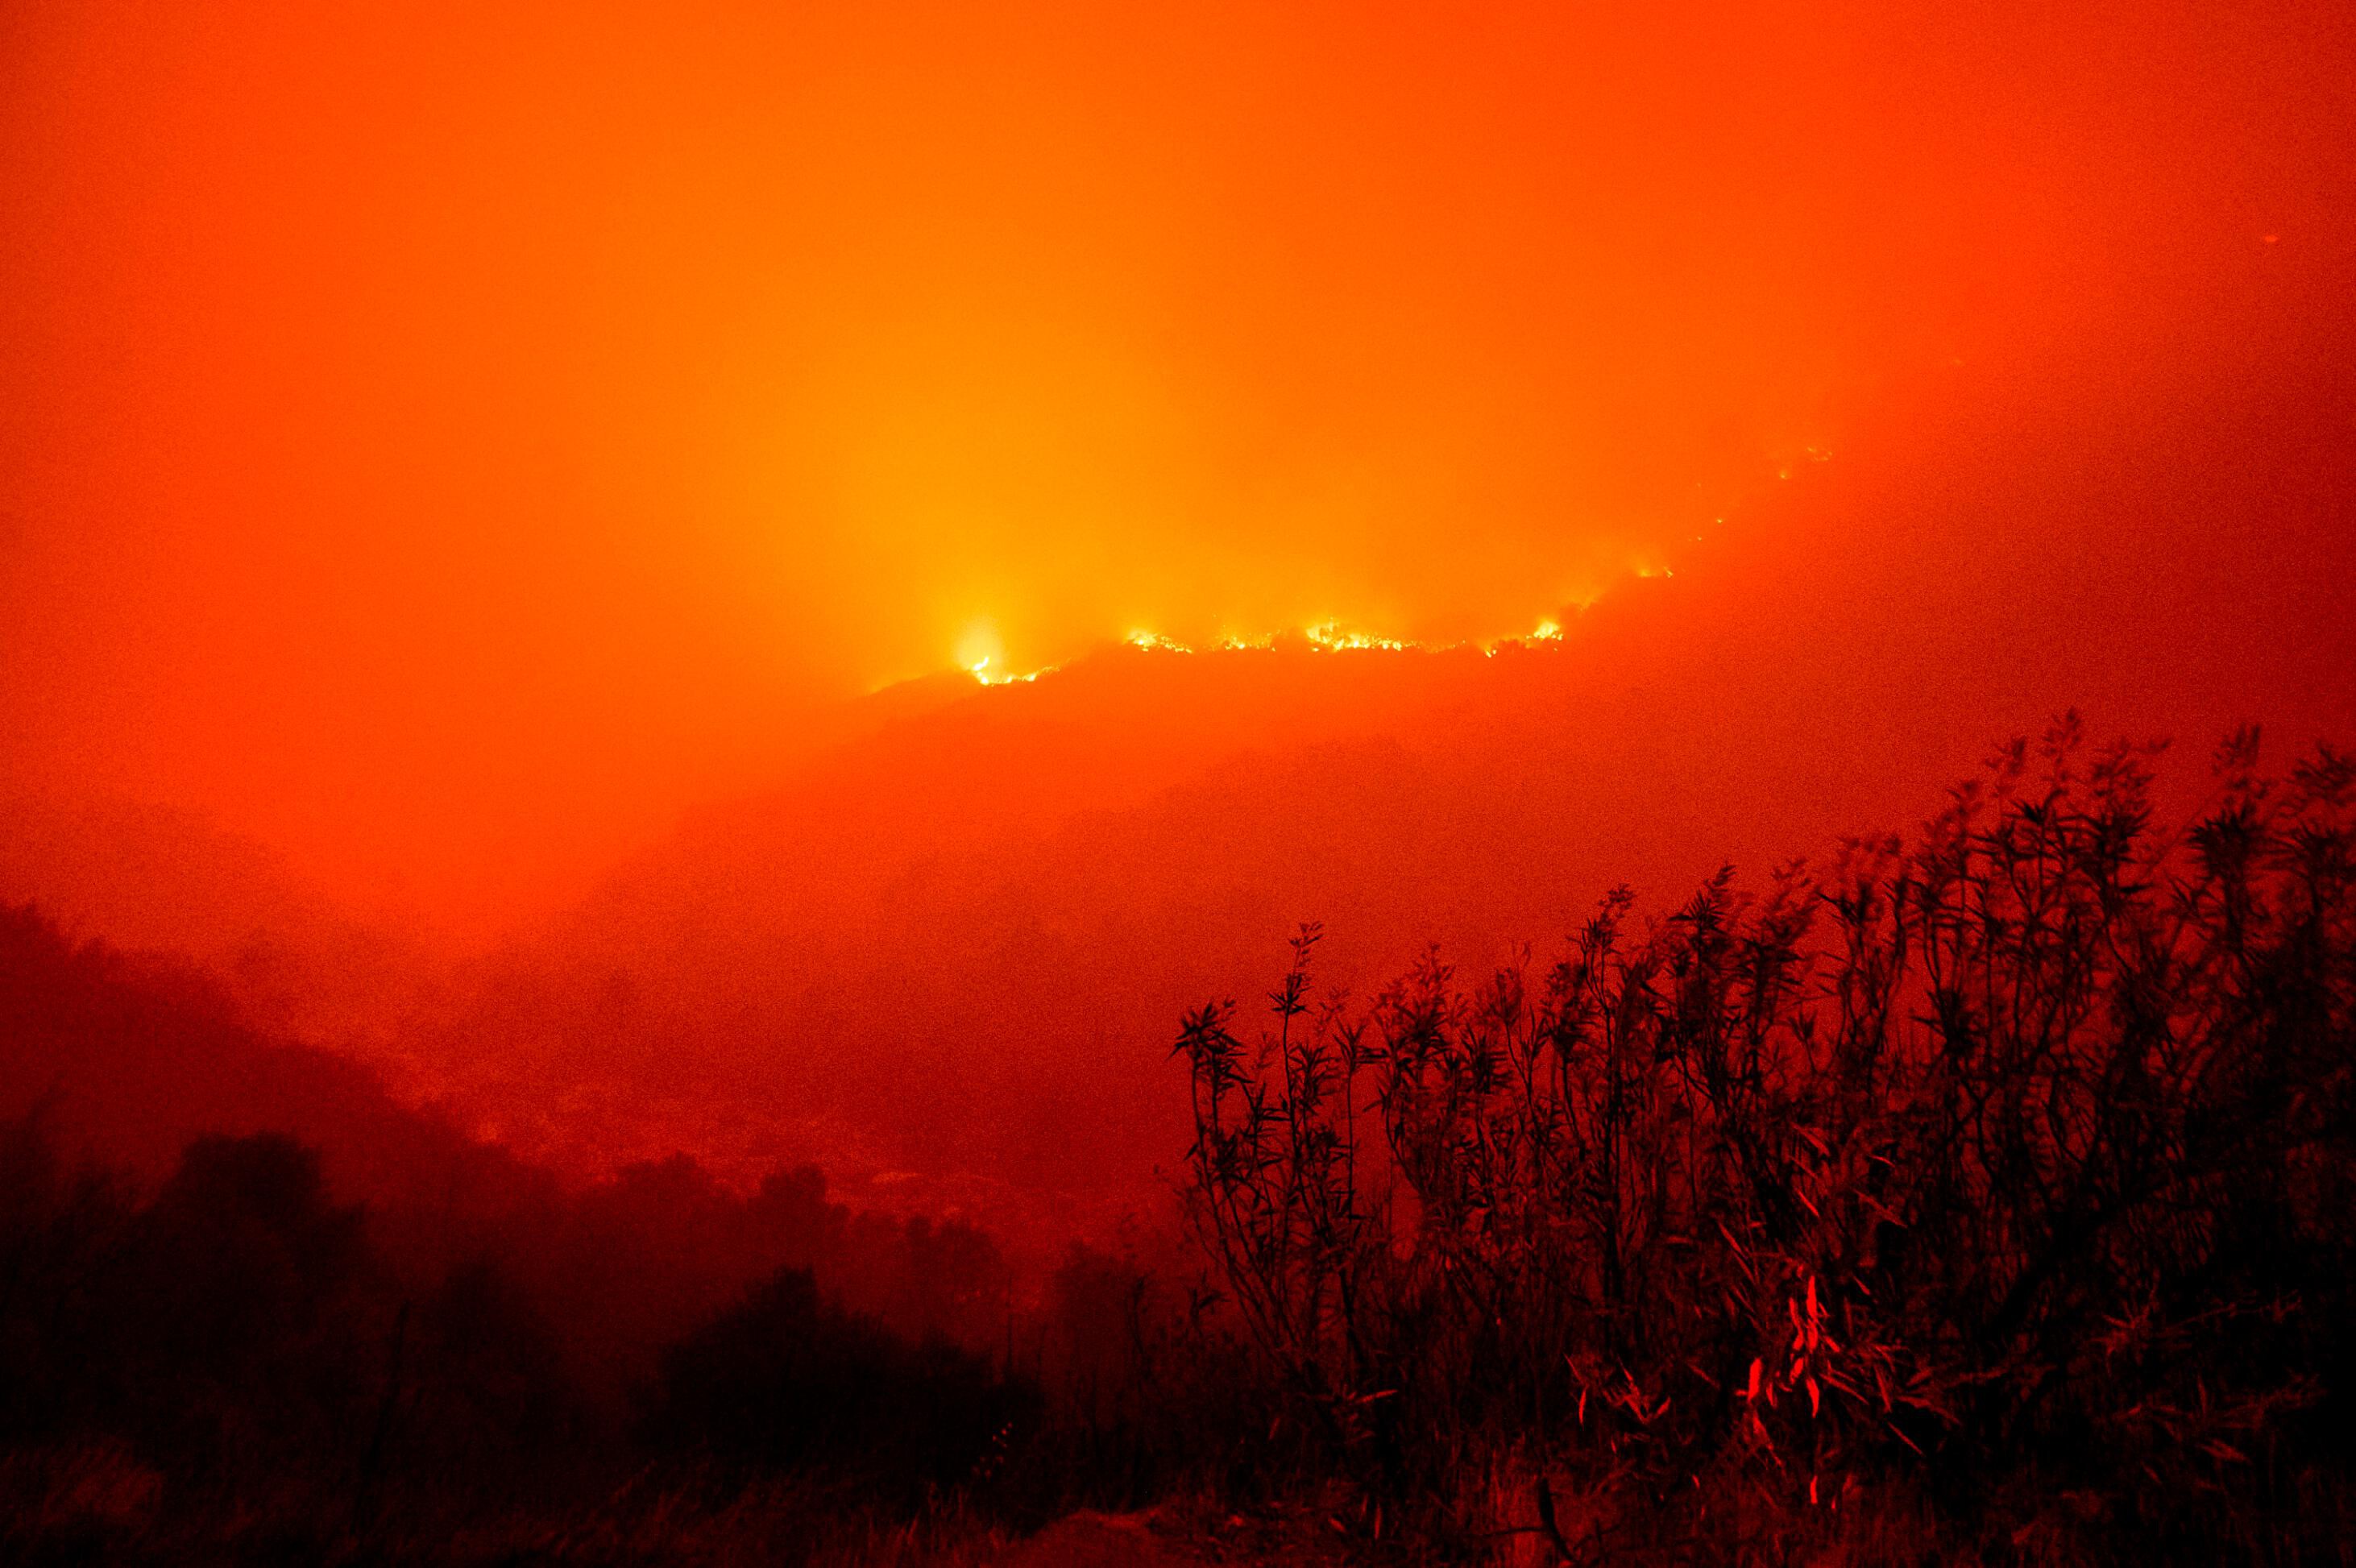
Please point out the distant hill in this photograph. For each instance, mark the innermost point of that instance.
(954, 946)
(127, 1058)
(151, 879)
(943, 955)
(124, 1068)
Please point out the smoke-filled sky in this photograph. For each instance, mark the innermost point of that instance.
(443, 440)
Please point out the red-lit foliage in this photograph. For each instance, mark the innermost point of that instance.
(2009, 1166)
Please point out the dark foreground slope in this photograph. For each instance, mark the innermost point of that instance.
(1984, 1196)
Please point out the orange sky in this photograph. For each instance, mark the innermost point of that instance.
(445, 440)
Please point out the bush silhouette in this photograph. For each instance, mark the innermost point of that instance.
(2010, 1162)
(788, 1381)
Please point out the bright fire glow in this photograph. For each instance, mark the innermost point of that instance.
(981, 672)
(1329, 635)
(1323, 636)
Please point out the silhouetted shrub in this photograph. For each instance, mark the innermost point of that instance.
(788, 1381)
(483, 1405)
(59, 1233)
(2012, 1162)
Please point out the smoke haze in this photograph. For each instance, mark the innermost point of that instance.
(444, 445)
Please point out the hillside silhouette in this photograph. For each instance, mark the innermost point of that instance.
(986, 902)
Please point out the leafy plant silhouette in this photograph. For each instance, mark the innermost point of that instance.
(2014, 1154)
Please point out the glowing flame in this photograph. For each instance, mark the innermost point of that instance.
(1330, 635)
(980, 655)
(979, 671)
